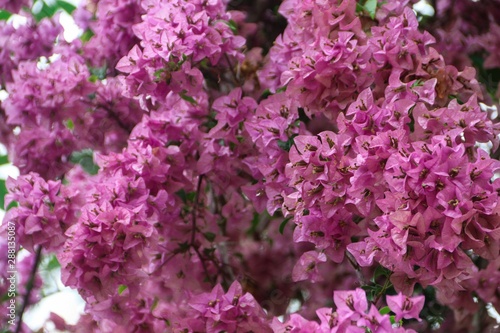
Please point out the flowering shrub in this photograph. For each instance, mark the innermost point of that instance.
(223, 166)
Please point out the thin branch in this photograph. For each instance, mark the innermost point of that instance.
(165, 262)
(193, 231)
(231, 69)
(387, 285)
(111, 114)
(203, 264)
(29, 287)
(478, 321)
(356, 267)
(496, 154)
(116, 118)
(195, 208)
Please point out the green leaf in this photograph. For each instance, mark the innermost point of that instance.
(281, 89)
(265, 94)
(209, 236)
(283, 225)
(233, 26)
(286, 145)
(209, 252)
(3, 192)
(4, 15)
(411, 124)
(156, 301)
(417, 83)
(85, 158)
(371, 7)
(183, 247)
(87, 34)
(69, 124)
(188, 98)
(359, 8)
(371, 291)
(12, 204)
(98, 72)
(187, 197)
(380, 271)
(53, 263)
(384, 310)
(3, 298)
(66, 6)
(489, 77)
(255, 223)
(159, 74)
(211, 122)
(41, 10)
(4, 159)
(121, 289)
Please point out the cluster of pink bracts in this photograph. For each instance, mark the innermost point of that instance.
(232, 183)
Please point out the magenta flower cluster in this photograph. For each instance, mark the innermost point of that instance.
(190, 178)
(354, 314)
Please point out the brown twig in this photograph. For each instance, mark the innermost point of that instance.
(29, 287)
(356, 267)
(387, 285)
(193, 231)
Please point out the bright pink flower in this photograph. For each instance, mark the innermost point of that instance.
(351, 304)
(307, 266)
(406, 307)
